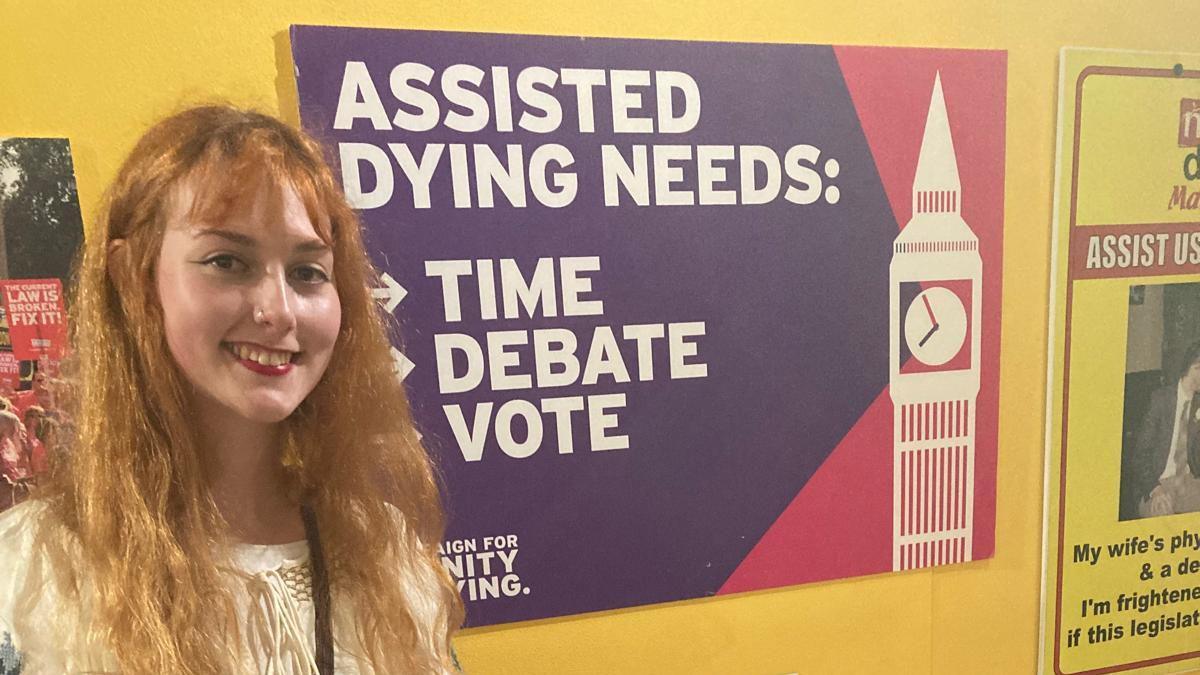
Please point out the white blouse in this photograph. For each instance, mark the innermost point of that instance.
(273, 592)
(271, 586)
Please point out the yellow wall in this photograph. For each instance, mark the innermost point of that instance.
(99, 72)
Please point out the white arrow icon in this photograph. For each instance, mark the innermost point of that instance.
(391, 294)
(401, 364)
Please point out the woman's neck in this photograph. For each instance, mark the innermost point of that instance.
(246, 478)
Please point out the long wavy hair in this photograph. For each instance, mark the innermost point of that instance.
(130, 495)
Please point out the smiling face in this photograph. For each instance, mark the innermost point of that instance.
(250, 311)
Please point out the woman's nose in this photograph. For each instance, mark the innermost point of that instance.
(274, 303)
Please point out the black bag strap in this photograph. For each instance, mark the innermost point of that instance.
(321, 600)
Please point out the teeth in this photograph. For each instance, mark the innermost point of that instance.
(261, 357)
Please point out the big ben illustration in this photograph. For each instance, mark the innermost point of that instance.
(934, 282)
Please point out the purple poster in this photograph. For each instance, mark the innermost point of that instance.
(678, 318)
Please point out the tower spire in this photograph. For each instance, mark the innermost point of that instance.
(936, 188)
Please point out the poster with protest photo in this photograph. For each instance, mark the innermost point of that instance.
(681, 319)
(1121, 585)
(40, 232)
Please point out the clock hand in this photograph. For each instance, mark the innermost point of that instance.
(928, 335)
(929, 310)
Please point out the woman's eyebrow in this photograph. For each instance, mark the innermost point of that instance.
(314, 245)
(234, 237)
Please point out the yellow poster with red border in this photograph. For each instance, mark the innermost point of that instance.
(1121, 586)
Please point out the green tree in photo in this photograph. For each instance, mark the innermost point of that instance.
(40, 223)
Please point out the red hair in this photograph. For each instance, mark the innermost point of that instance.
(131, 496)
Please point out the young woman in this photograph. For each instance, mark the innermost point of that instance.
(245, 491)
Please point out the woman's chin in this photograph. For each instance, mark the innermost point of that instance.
(261, 410)
(266, 413)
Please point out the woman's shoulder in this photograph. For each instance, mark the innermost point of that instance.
(421, 579)
(39, 625)
(19, 527)
(22, 519)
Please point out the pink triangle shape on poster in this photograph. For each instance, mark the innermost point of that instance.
(840, 523)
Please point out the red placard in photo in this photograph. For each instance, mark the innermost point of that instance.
(37, 323)
(10, 370)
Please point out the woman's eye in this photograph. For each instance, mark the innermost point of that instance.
(310, 275)
(225, 262)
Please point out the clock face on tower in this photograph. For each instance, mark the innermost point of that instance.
(935, 325)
